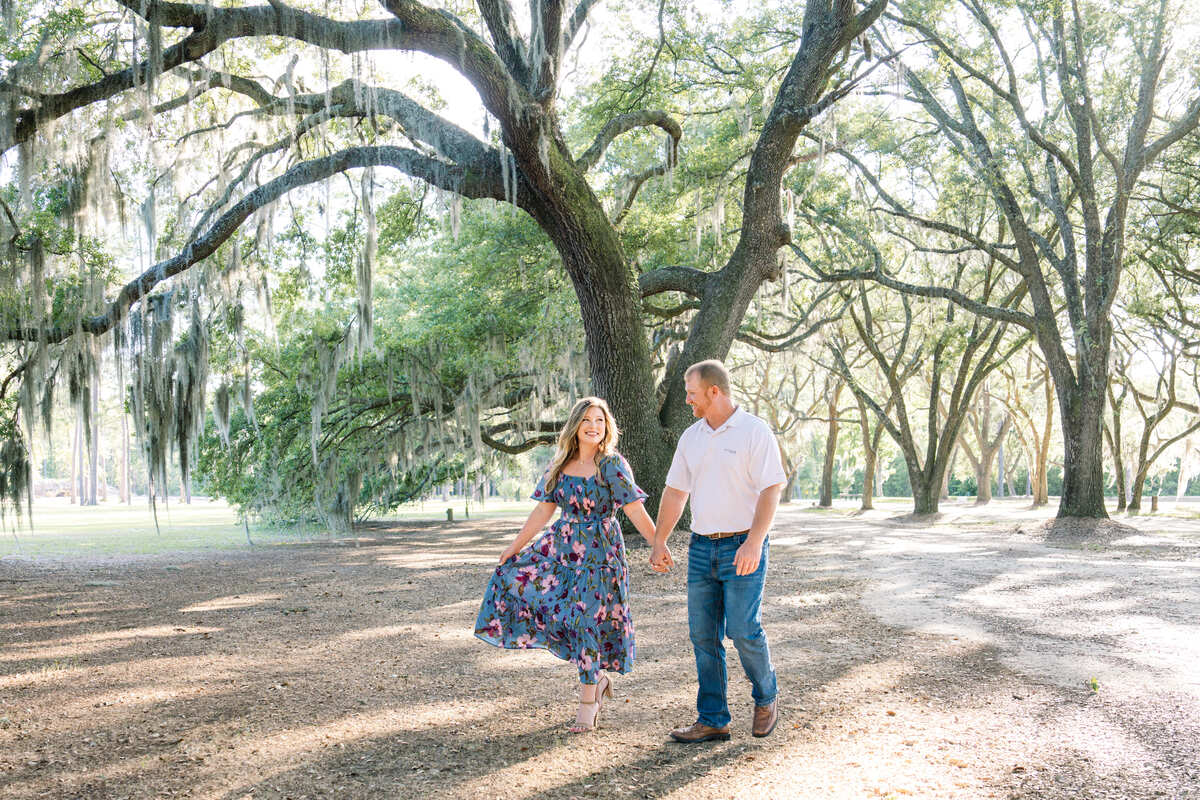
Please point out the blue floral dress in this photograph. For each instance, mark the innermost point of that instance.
(567, 591)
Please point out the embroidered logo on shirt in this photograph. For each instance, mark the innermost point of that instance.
(727, 450)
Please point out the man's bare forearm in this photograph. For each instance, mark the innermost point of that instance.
(764, 513)
(670, 509)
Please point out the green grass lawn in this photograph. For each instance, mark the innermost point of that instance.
(62, 530)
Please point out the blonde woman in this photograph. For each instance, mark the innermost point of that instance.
(567, 590)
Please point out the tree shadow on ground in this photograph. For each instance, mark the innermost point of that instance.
(334, 670)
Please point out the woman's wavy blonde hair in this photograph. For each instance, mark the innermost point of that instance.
(568, 438)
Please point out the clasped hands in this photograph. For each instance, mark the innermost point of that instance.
(660, 557)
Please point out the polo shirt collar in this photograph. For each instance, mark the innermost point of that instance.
(732, 422)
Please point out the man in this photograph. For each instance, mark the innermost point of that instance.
(728, 463)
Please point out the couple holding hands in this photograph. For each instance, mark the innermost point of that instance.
(567, 591)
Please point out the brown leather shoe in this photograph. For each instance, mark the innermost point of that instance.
(765, 718)
(699, 732)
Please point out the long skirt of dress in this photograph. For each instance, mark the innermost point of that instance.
(567, 592)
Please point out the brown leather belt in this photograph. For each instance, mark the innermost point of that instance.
(723, 534)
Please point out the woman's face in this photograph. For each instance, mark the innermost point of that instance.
(592, 428)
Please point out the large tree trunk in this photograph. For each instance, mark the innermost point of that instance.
(1113, 436)
(1083, 456)
(831, 437)
(983, 481)
(872, 477)
(868, 488)
(610, 307)
(944, 483)
(1041, 491)
(925, 492)
(1138, 487)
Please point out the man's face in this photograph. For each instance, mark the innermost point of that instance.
(699, 394)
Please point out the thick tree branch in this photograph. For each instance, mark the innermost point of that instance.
(415, 27)
(467, 182)
(689, 280)
(548, 434)
(877, 275)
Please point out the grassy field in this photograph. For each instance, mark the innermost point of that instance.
(111, 529)
(61, 530)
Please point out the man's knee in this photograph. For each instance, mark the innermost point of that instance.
(751, 636)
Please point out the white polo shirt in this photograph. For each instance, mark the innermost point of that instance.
(724, 470)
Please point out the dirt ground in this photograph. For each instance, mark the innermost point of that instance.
(962, 658)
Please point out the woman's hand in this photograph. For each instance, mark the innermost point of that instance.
(509, 552)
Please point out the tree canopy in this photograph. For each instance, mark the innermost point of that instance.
(335, 278)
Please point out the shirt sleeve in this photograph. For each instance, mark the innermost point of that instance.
(540, 494)
(679, 476)
(766, 464)
(619, 478)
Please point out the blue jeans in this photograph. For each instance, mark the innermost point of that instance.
(720, 603)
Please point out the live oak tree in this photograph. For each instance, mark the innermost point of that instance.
(1059, 114)
(1157, 377)
(948, 358)
(159, 58)
(1029, 397)
(988, 435)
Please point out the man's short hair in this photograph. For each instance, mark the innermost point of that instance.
(712, 372)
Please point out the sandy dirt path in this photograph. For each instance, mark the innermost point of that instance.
(947, 660)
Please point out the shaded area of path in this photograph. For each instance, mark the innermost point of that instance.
(943, 661)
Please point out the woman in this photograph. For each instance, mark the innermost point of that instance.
(567, 592)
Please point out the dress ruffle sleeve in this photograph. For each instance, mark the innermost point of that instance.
(540, 494)
(619, 478)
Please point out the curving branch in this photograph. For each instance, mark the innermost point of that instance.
(1006, 312)
(898, 209)
(307, 124)
(1187, 123)
(635, 186)
(547, 434)
(476, 181)
(689, 280)
(212, 27)
(623, 124)
(414, 27)
(778, 343)
(1011, 94)
(442, 35)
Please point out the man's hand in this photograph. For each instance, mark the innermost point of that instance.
(660, 558)
(746, 559)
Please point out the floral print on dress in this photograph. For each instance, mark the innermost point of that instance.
(567, 591)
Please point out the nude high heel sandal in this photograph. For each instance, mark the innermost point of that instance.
(603, 689)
